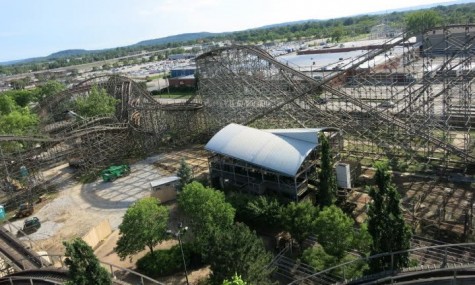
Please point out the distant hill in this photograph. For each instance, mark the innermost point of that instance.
(420, 7)
(286, 24)
(78, 52)
(178, 38)
(202, 35)
(68, 52)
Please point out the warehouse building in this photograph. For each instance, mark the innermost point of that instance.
(182, 71)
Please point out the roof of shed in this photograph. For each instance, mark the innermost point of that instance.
(282, 150)
(164, 180)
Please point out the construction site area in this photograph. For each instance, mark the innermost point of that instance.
(408, 101)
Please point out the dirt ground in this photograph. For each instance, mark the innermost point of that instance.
(432, 206)
(105, 252)
(76, 207)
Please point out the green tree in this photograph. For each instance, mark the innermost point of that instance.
(19, 84)
(144, 225)
(238, 249)
(265, 211)
(185, 174)
(335, 231)
(235, 280)
(327, 186)
(98, 103)
(7, 105)
(362, 240)
(299, 219)
(321, 260)
(386, 223)
(337, 33)
(206, 211)
(420, 21)
(50, 88)
(84, 267)
(18, 122)
(21, 97)
(318, 258)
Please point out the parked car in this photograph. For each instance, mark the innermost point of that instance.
(114, 172)
(24, 210)
(321, 101)
(31, 225)
(387, 104)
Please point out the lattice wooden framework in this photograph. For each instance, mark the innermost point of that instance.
(383, 100)
(140, 125)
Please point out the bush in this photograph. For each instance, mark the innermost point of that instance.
(163, 262)
(256, 210)
(169, 261)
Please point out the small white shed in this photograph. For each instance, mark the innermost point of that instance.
(164, 188)
(343, 175)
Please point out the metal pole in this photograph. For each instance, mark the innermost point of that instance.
(392, 261)
(112, 271)
(183, 256)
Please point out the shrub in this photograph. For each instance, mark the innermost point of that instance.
(163, 262)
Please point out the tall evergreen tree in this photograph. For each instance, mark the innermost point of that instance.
(185, 174)
(386, 223)
(327, 186)
(84, 267)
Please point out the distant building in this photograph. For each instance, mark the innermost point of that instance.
(280, 161)
(181, 56)
(183, 81)
(383, 31)
(448, 40)
(182, 71)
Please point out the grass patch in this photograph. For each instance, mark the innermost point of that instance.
(153, 77)
(173, 96)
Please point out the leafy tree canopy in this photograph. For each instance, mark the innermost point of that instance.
(299, 219)
(7, 104)
(84, 267)
(320, 260)
(206, 210)
(48, 89)
(420, 21)
(15, 116)
(18, 122)
(335, 231)
(21, 97)
(265, 210)
(144, 225)
(238, 249)
(98, 103)
(235, 280)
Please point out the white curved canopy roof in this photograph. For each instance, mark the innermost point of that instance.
(282, 151)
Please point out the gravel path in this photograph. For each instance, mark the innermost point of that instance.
(79, 207)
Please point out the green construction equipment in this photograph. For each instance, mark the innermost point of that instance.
(114, 172)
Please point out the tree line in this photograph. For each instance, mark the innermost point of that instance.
(334, 29)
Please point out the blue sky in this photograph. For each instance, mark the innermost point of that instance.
(30, 28)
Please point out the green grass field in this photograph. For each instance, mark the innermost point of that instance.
(174, 95)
